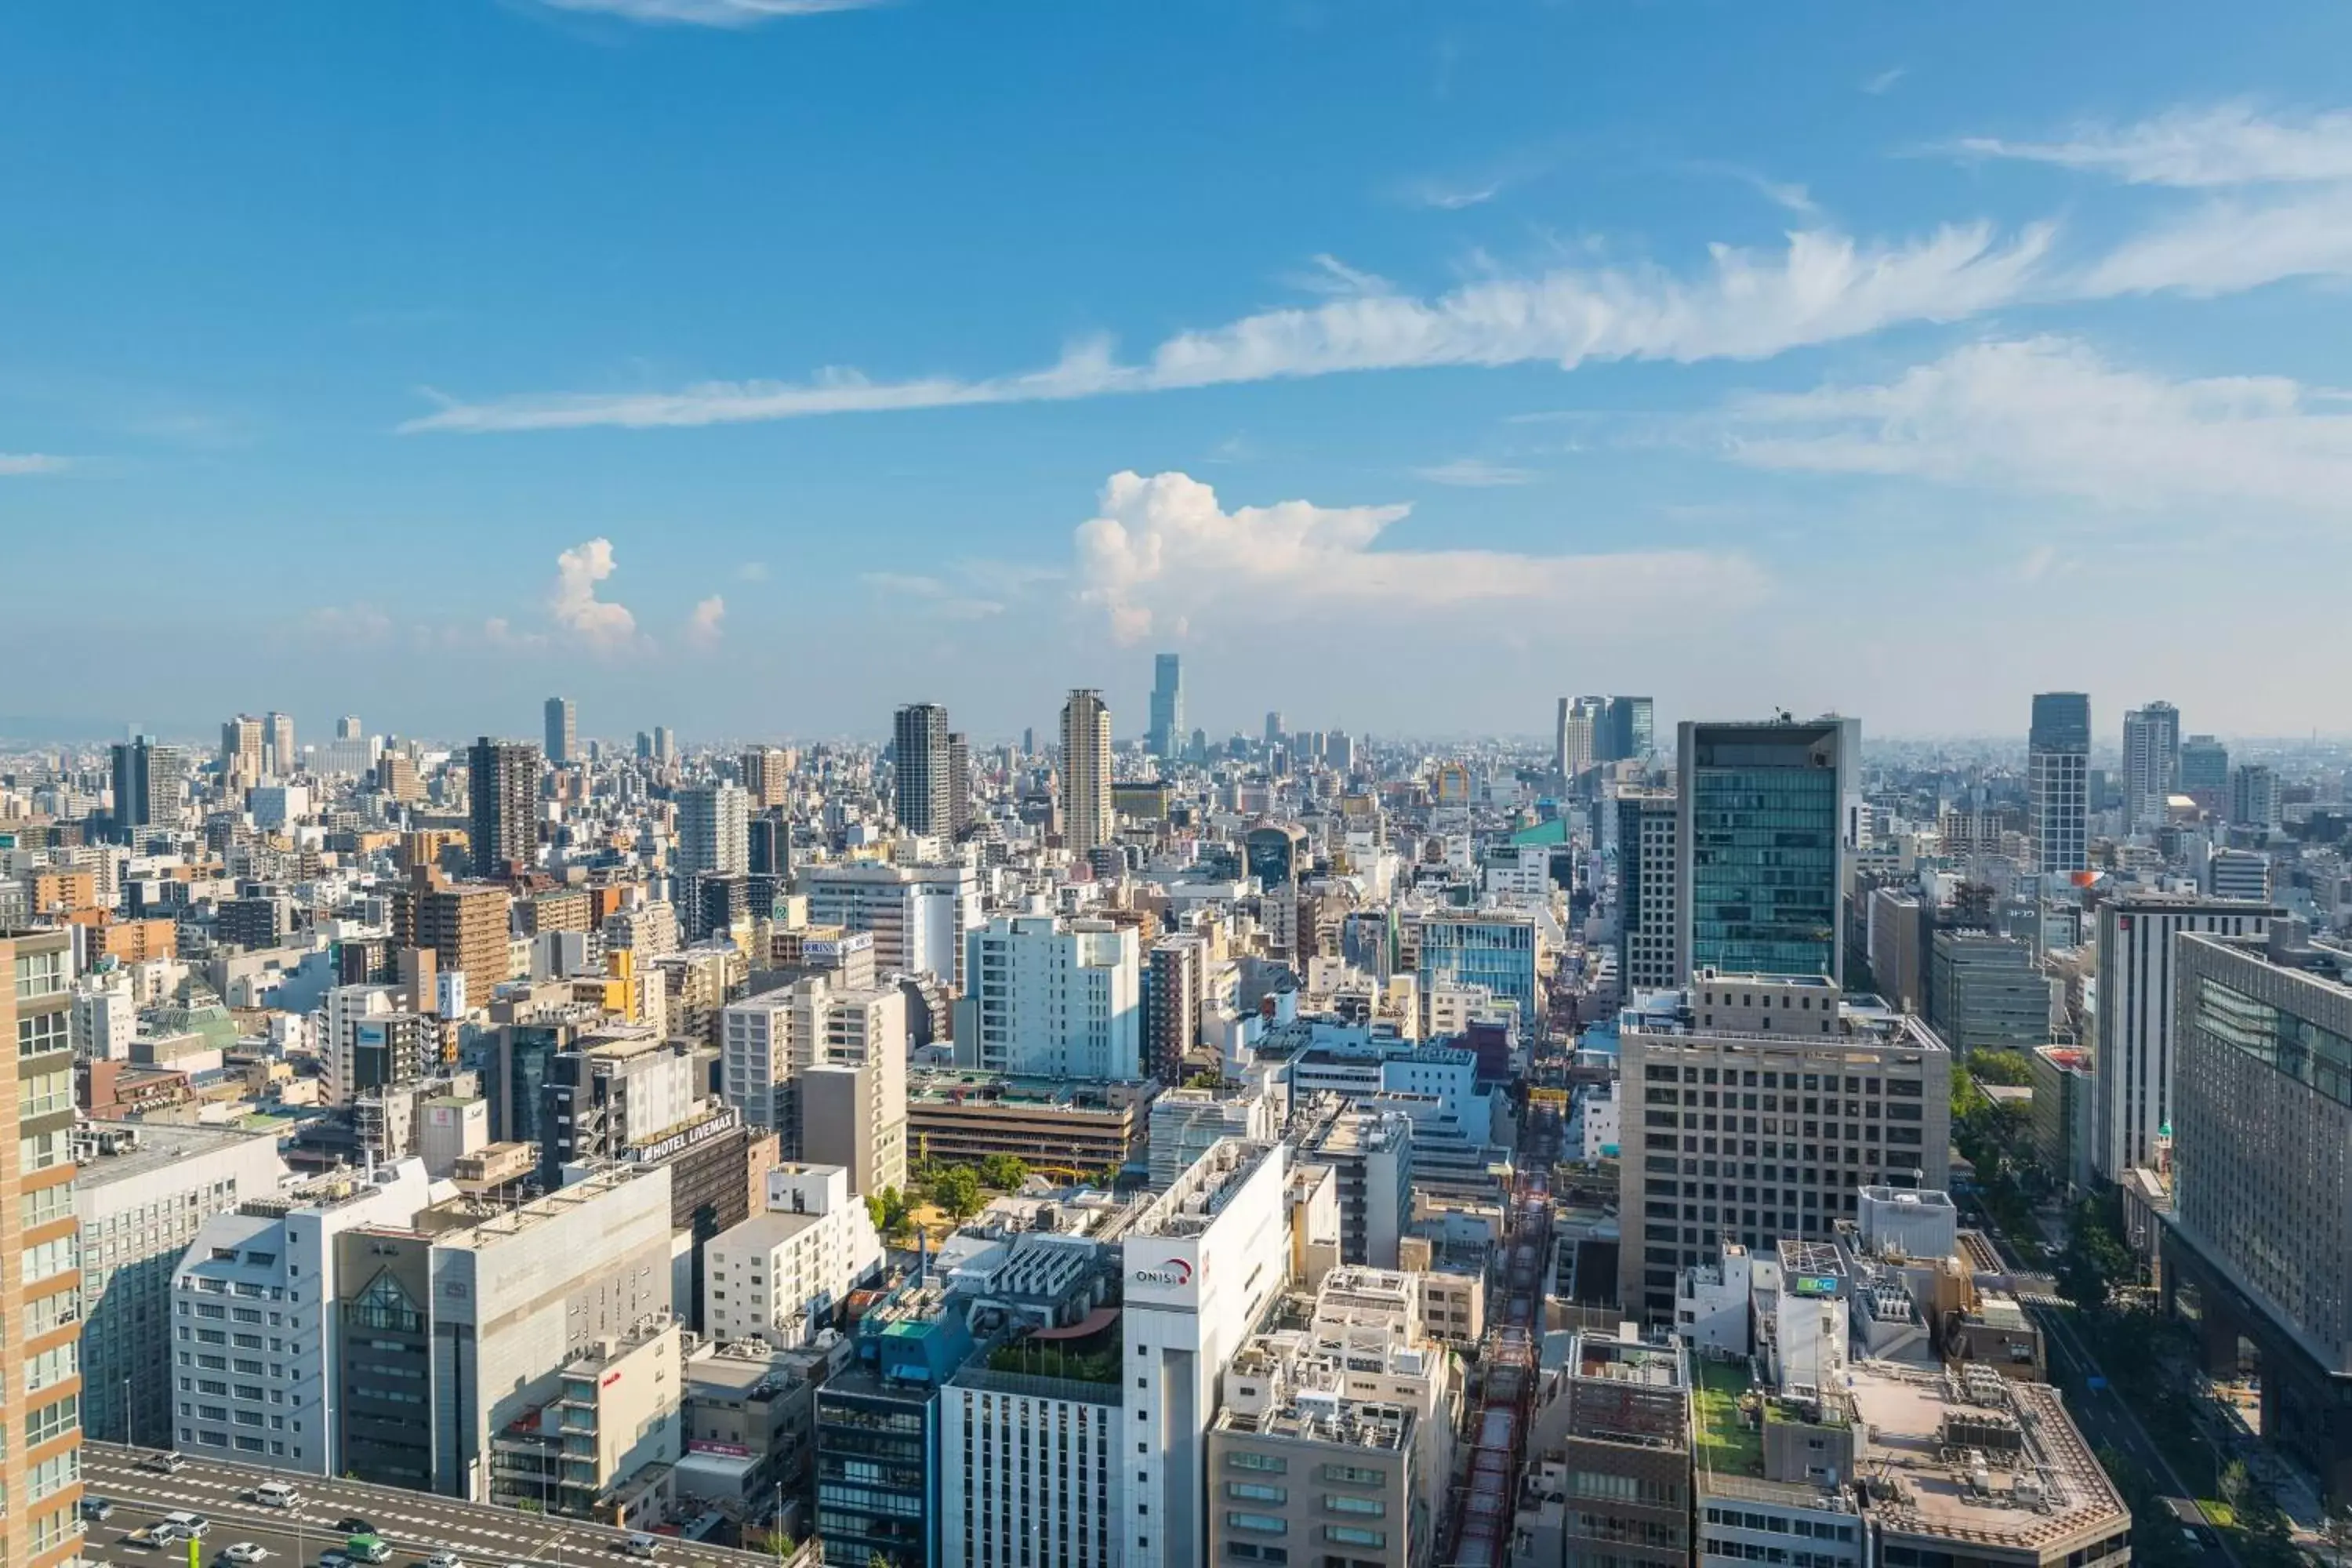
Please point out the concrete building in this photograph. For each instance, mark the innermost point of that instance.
(2262, 1224)
(1076, 1127)
(919, 749)
(1085, 772)
(619, 1411)
(2151, 762)
(151, 783)
(1054, 996)
(1984, 993)
(1649, 928)
(1759, 1108)
(1370, 1154)
(1767, 819)
(40, 1247)
(1501, 950)
(1166, 734)
(713, 831)
(563, 730)
(2254, 796)
(243, 756)
(611, 1093)
(919, 914)
(2138, 986)
(466, 924)
(2057, 782)
(1202, 1263)
(1613, 1442)
(1187, 1123)
(2065, 1113)
(767, 776)
(143, 1192)
(231, 1397)
(783, 1275)
(1176, 984)
(502, 805)
(782, 1057)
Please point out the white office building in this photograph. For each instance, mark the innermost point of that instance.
(1202, 1262)
(772, 1045)
(783, 1275)
(1186, 1123)
(919, 914)
(1053, 996)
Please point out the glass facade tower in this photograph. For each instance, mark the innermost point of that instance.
(1760, 844)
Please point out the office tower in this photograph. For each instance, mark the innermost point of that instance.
(2254, 796)
(1339, 750)
(1760, 844)
(665, 744)
(1202, 1263)
(278, 742)
(2238, 874)
(2057, 782)
(149, 783)
(1274, 729)
(776, 1276)
(40, 1285)
(714, 831)
(347, 728)
(1858, 1098)
(2205, 771)
(1632, 727)
(563, 730)
(958, 783)
(1578, 736)
(1984, 993)
(1054, 996)
(241, 753)
(502, 805)
(766, 778)
(919, 914)
(1648, 958)
(1275, 854)
(1086, 771)
(1167, 737)
(2151, 762)
(1626, 1437)
(141, 1195)
(2263, 1206)
(920, 744)
(644, 746)
(2136, 992)
(1501, 950)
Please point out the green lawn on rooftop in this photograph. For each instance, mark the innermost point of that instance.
(1726, 1443)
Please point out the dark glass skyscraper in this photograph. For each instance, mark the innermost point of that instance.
(1760, 844)
(2058, 781)
(1167, 737)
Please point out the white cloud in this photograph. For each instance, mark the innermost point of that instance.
(1475, 473)
(348, 622)
(1454, 195)
(1882, 84)
(572, 604)
(2051, 417)
(2231, 244)
(20, 465)
(2223, 144)
(751, 572)
(710, 12)
(706, 624)
(1823, 287)
(1333, 276)
(1162, 556)
(940, 599)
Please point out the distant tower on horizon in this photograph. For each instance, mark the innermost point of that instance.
(919, 737)
(2058, 781)
(1167, 736)
(502, 804)
(2151, 762)
(563, 730)
(1086, 771)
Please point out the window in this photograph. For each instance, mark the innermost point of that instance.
(1349, 1535)
(38, 1034)
(52, 1420)
(51, 1366)
(1272, 1464)
(1369, 1507)
(1258, 1523)
(1257, 1492)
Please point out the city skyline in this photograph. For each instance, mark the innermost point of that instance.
(2002, 330)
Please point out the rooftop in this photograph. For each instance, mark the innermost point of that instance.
(124, 1151)
(1722, 1440)
(1201, 1194)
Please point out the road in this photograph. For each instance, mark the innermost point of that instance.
(416, 1524)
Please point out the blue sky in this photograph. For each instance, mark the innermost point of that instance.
(753, 366)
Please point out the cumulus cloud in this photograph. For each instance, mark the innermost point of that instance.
(1476, 473)
(2221, 145)
(2050, 415)
(1163, 556)
(572, 604)
(704, 624)
(20, 465)
(710, 12)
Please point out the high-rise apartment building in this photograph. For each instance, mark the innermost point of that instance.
(278, 754)
(466, 925)
(2254, 796)
(1167, 734)
(919, 914)
(40, 1255)
(2058, 781)
(563, 730)
(1179, 975)
(150, 784)
(242, 753)
(766, 776)
(1647, 956)
(714, 831)
(2151, 762)
(1759, 1109)
(958, 783)
(2263, 1176)
(1053, 996)
(1578, 735)
(919, 743)
(1760, 849)
(502, 805)
(1085, 772)
(347, 728)
(1275, 730)
(2137, 986)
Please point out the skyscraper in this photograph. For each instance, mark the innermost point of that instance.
(40, 1290)
(563, 730)
(2058, 781)
(2205, 771)
(1646, 956)
(764, 774)
(241, 753)
(2254, 796)
(1167, 737)
(1761, 844)
(278, 739)
(2151, 762)
(1086, 770)
(919, 737)
(1577, 735)
(714, 830)
(1632, 729)
(147, 784)
(347, 728)
(1274, 729)
(502, 804)
(959, 781)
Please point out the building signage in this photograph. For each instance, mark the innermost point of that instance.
(1813, 1285)
(1174, 1272)
(610, 1379)
(725, 1450)
(687, 1138)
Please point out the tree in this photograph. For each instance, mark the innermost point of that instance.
(2009, 1068)
(1205, 1080)
(2095, 1258)
(888, 1209)
(957, 1190)
(1003, 1172)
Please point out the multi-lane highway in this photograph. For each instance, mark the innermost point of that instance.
(415, 1524)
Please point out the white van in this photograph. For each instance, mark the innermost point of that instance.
(640, 1544)
(276, 1494)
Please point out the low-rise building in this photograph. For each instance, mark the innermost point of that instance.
(783, 1275)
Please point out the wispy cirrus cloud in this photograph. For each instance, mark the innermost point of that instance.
(942, 599)
(1475, 473)
(24, 465)
(1881, 83)
(710, 12)
(1164, 557)
(2052, 417)
(2219, 144)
